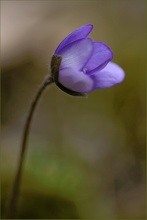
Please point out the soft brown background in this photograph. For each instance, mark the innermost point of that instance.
(86, 156)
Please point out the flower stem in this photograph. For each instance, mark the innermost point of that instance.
(17, 181)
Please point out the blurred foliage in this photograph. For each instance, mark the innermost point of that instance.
(86, 156)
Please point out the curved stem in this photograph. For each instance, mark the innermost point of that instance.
(16, 187)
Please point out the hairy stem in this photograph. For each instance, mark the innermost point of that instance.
(17, 181)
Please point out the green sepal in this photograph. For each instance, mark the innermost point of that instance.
(68, 91)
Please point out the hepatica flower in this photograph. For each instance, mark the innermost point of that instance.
(81, 65)
(78, 66)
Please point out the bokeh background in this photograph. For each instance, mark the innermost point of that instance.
(86, 156)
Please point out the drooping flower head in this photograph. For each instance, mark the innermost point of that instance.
(80, 65)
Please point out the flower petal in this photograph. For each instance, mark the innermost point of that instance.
(76, 54)
(100, 57)
(75, 80)
(78, 34)
(109, 76)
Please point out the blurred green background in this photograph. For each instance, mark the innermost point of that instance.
(86, 156)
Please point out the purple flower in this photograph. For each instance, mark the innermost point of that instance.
(84, 65)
